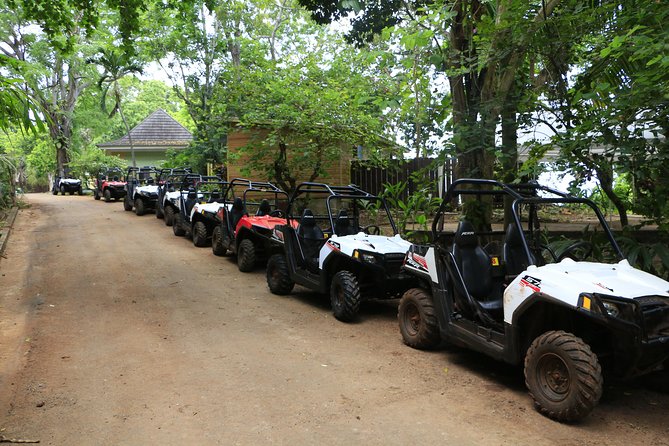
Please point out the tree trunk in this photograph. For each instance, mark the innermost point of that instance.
(605, 177)
(60, 130)
(509, 159)
(127, 129)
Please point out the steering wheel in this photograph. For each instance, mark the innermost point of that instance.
(371, 230)
(549, 250)
(276, 213)
(576, 251)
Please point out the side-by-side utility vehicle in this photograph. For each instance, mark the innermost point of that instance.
(246, 224)
(168, 181)
(203, 215)
(142, 189)
(66, 185)
(109, 184)
(195, 189)
(346, 244)
(537, 293)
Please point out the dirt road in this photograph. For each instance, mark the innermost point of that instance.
(115, 332)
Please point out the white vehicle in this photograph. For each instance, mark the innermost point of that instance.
(66, 185)
(535, 300)
(168, 179)
(198, 195)
(204, 216)
(346, 244)
(142, 190)
(173, 195)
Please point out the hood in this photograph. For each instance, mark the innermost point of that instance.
(70, 181)
(172, 195)
(148, 189)
(380, 244)
(618, 279)
(207, 207)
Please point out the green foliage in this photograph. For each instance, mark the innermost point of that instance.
(412, 214)
(7, 169)
(190, 156)
(650, 257)
(622, 188)
(90, 161)
(614, 116)
(58, 19)
(115, 66)
(42, 158)
(17, 108)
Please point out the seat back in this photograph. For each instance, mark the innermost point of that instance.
(472, 261)
(480, 279)
(236, 213)
(264, 208)
(515, 257)
(215, 195)
(191, 199)
(310, 236)
(343, 224)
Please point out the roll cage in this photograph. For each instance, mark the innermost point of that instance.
(165, 174)
(529, 194)
(258, 188)
(139, 176)
(331, 193)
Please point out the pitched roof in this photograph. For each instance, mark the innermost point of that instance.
(158, 129)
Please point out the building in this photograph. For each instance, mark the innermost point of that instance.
(151, 139)
(241, 141)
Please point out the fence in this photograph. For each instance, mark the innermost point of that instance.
(371, 178)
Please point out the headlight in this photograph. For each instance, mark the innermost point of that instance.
(611, 309)
(366, 257)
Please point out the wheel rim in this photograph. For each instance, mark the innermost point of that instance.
(553, 377)
(411, 319)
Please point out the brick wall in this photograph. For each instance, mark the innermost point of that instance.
(337, 172)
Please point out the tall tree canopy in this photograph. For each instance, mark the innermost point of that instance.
(508, 62)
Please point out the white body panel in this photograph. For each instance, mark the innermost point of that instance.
(146, 190)
(566, 280)
(378, 244)
(71, 181)
(211, 208)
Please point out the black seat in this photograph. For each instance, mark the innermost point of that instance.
(343, 225)
(191, 199)
(515, 257)
(264, 208)
(476, 271)
(311, 239)
(215, 195)
(236, 213)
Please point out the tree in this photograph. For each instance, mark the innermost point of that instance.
(311, 95)
(615, 118)
(509, 61)
(58, 18)
(193, 42)
(482, 47)
(54, 78)
(115, 67)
